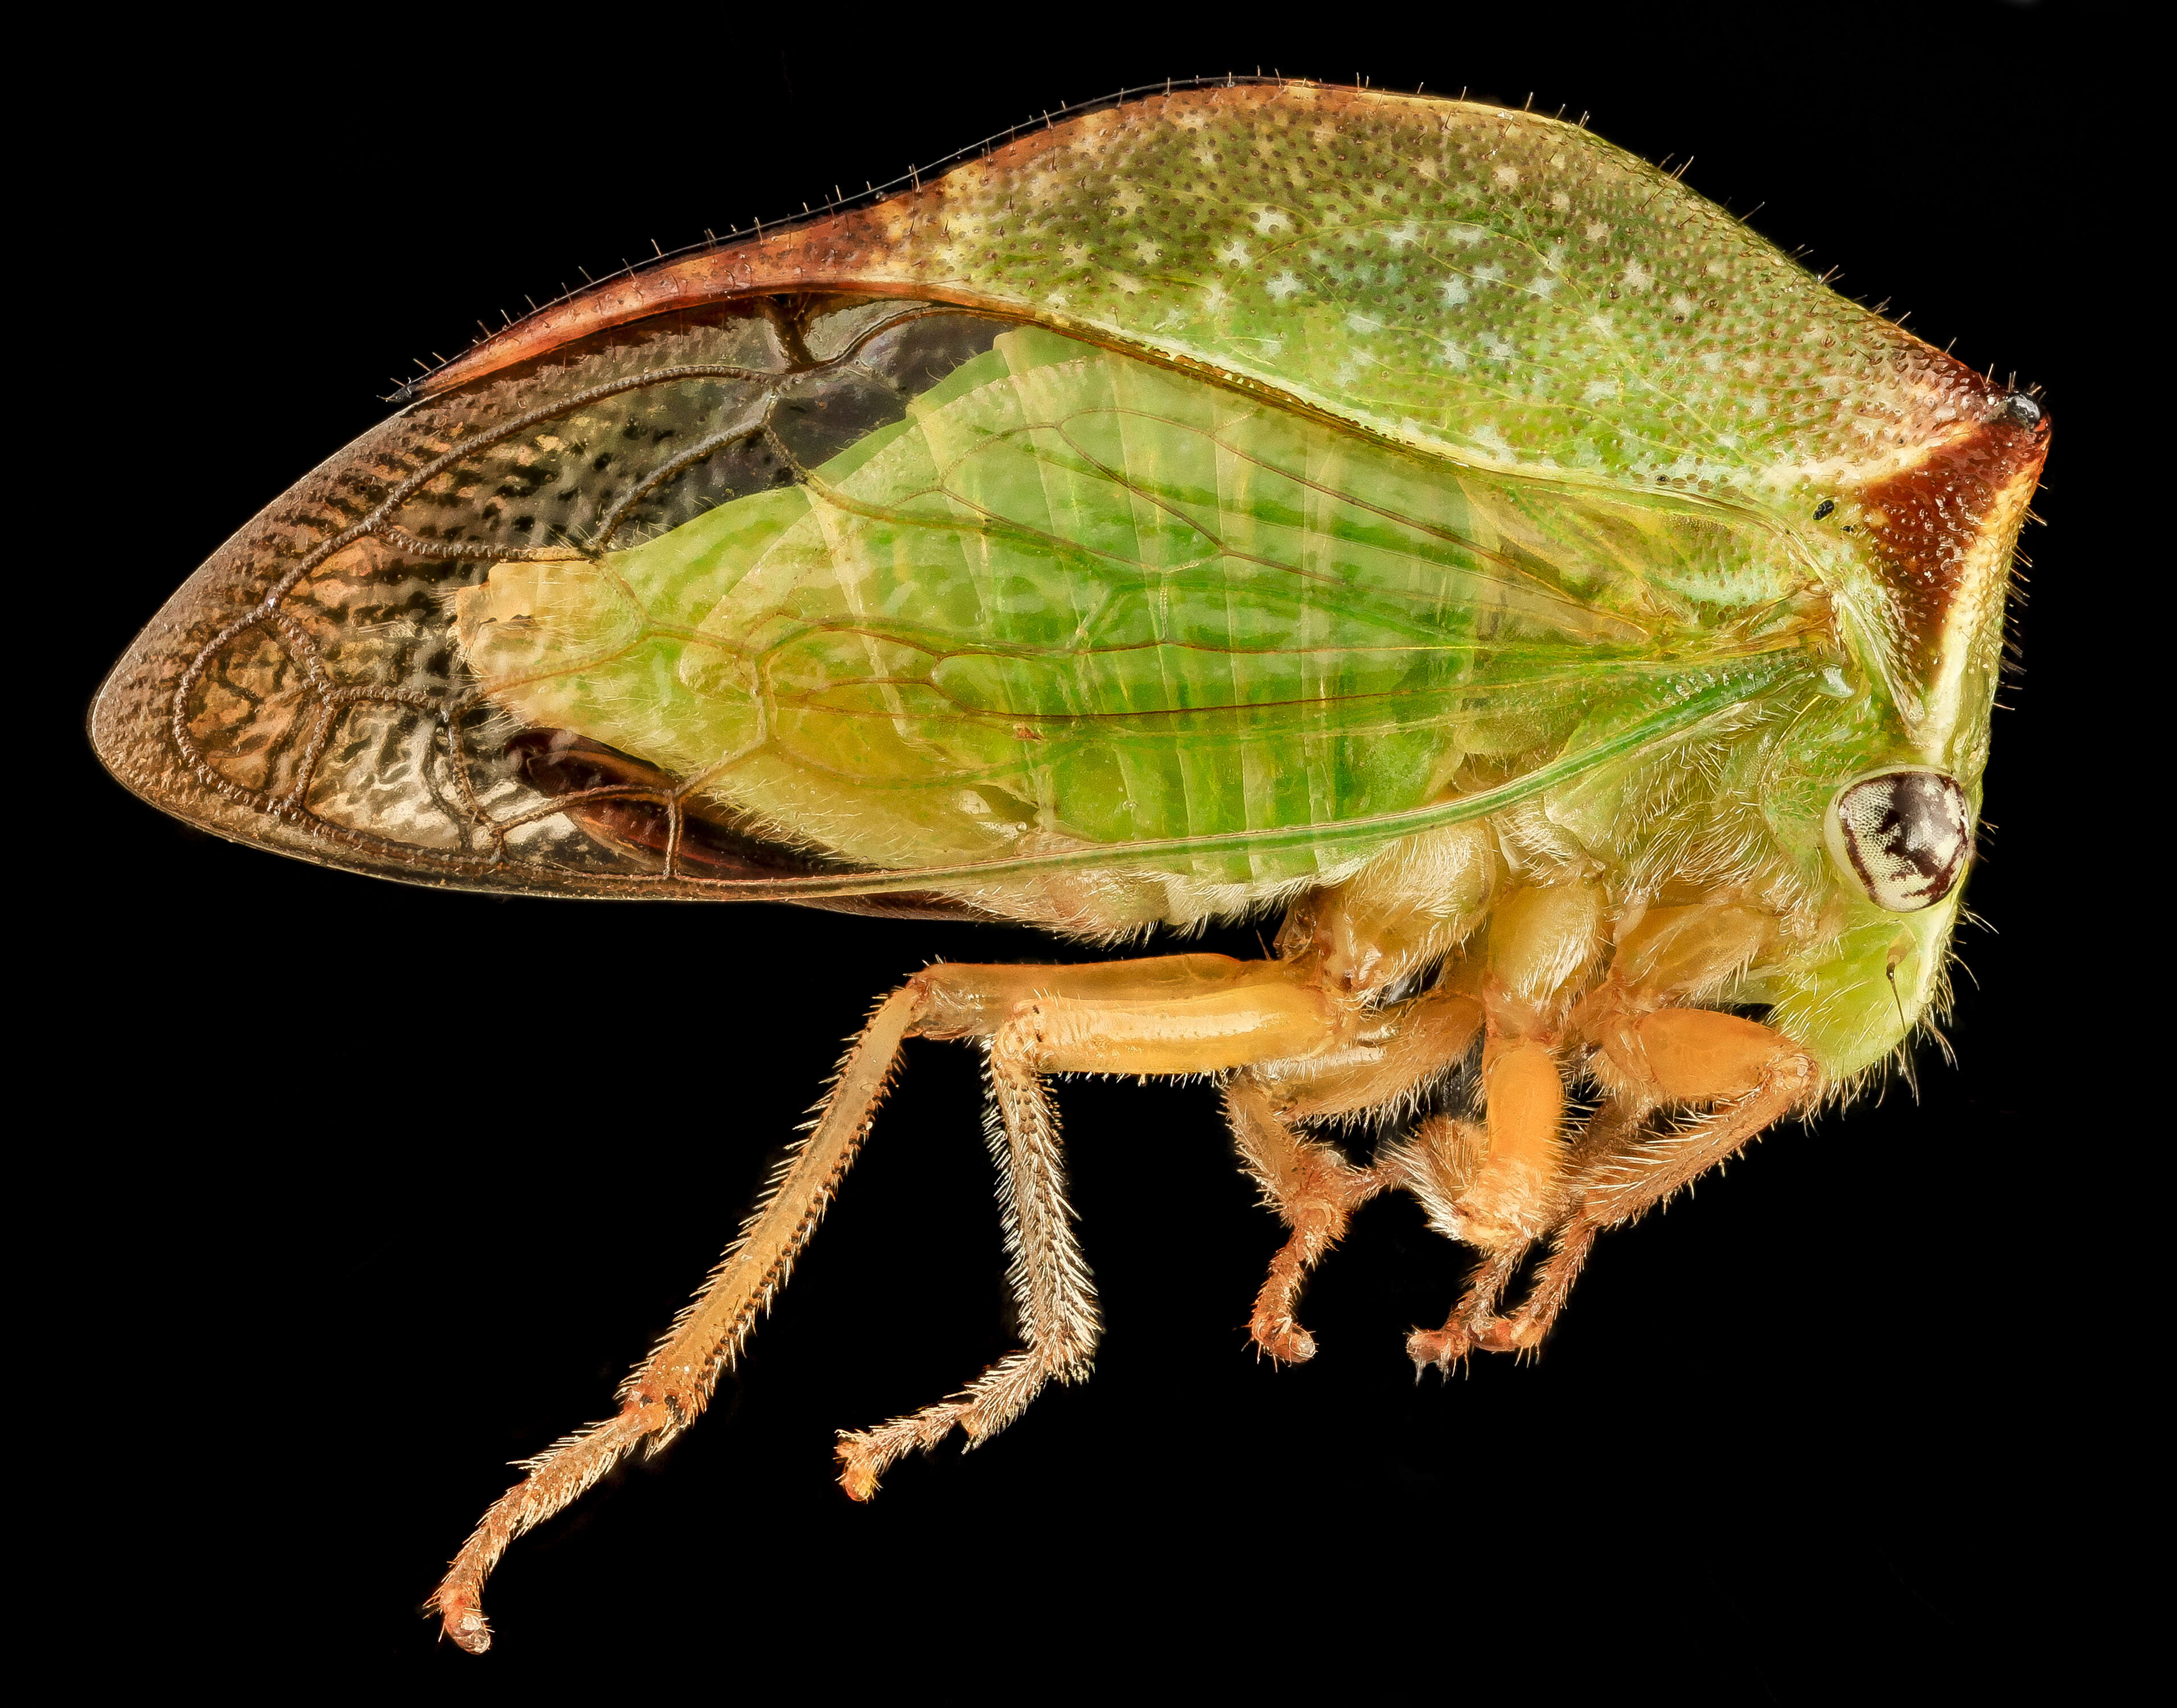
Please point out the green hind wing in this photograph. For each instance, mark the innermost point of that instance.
(1075, 597)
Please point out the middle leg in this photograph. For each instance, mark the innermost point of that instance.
(1313, 1190)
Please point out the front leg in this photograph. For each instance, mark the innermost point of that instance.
(1750, 1076)
(1652, 1052)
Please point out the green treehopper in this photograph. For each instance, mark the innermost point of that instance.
(1420, 520)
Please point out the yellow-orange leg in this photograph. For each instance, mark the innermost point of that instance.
(1755, 1078)
(1161, 1032)
(1049, 1279)
(1498, 1185)
(1311, 1188)
(667, 1393)
(1401, 1051)
(671, 1388)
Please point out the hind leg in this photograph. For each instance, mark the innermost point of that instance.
(1050, 1280)
(1208, 1012)
(1267, 1011)
(670, 1389)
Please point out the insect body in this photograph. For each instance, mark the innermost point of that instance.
(1419, 519)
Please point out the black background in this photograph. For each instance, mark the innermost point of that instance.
(364, 1190)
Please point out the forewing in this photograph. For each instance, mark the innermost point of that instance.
(759, 594)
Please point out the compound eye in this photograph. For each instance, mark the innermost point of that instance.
(2020, 409)
(1904, 834)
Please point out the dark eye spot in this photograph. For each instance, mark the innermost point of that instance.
(2020, 411)
(1825, 508)
(1904, 835)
